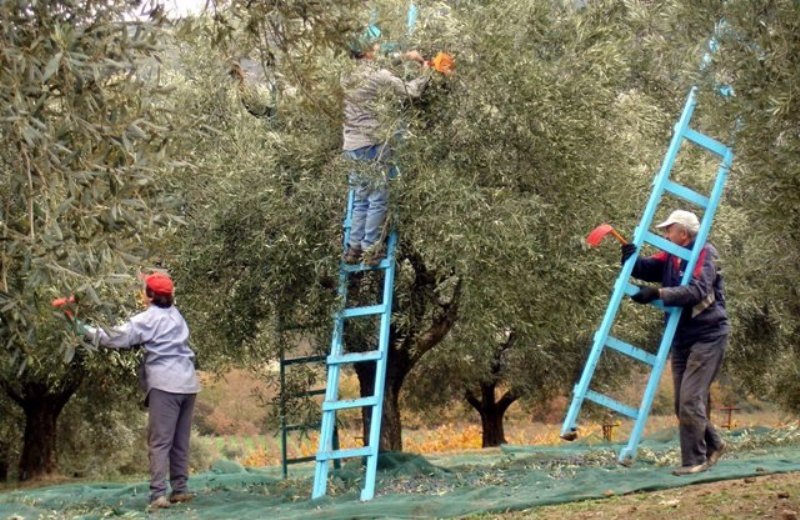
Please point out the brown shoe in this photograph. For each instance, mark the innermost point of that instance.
(160, 502)
(714, 456)
(374, 255)
(690, 470)
(352, 255)
(181, 497)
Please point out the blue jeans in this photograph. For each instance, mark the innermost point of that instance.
(370, 194)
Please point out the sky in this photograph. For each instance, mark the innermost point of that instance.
(184, 7)
(173, 7)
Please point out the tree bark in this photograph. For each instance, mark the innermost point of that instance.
(493, 433)
(39, 449)
(4, 453)
(391, 425)
(42, 405)
(491, 412)
(430, 321)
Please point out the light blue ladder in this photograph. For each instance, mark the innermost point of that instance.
(602, 338)
(338, 357)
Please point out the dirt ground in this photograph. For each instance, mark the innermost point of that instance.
(767, 497)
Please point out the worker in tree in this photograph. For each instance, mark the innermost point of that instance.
(700, 339)
(169, 380)
(366, 146)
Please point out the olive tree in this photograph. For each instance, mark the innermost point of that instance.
(84, 193)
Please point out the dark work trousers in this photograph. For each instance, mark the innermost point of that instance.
(169, 430)
(694, 368)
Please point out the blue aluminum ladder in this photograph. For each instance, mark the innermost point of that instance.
(338, 357)
(602, 338)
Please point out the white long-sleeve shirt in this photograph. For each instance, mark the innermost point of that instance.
(169, 362)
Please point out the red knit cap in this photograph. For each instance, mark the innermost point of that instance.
(159, 283)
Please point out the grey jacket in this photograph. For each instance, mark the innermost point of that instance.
(362, 89)
(169, 362)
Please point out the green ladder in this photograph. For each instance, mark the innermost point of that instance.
(602, 338)
(340, 356)
(286, 427)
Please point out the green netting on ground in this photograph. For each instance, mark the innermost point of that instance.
(410, 486)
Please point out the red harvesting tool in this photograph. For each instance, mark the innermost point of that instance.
(65, 304)
(599, 233)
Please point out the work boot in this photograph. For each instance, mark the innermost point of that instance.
(690, 470)
(715, 455)
(180, 497)
(352, 255)
(159, 502)
(374, 255)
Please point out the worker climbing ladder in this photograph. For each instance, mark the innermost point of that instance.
(602, 339)
(340, 355)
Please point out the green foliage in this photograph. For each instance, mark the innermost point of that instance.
(85, 182)
(84, 176)
(102, 435)
(555, 121)
(758, 57)
(544, 132)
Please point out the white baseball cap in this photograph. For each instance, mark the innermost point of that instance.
(687, 219)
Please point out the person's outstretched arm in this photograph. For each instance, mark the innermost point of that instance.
(126, 335)
(412, 89)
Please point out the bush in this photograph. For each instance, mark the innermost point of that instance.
(202, 452)
(102, 439)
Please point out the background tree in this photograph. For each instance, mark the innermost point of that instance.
(758, 57)
(84, 189)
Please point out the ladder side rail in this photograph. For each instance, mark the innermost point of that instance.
(662, 178)
(327, 433)
(348, 218)
(601, 335)
(368, 491)
(629, 452)
(708, 216)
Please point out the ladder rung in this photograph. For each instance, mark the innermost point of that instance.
(369, 310)
(310, 393)
(298, 460)
(383, 264)
(666, 245)
(687, 194)
(300, 427)
(328, 406)
(304, 359)
(344, 454)
(357, 268)
(712, 145)
(355, 357)
(630, 350)
(611, 403)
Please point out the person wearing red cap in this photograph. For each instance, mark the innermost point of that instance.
(170, 383)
